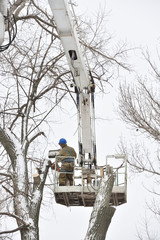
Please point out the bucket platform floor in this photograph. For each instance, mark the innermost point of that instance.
(85, 196)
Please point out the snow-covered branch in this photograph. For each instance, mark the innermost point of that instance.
(14, 230)
(7, 190)
(13, 216)
(5, 175)
(8, 144)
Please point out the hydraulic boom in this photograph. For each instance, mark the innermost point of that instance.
(84, 84)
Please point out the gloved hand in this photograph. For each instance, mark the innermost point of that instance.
(49, 164)
(57, 167)
(53, 166)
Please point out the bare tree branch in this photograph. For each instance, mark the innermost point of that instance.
(14, 230)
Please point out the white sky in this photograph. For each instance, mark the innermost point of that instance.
(136, 21)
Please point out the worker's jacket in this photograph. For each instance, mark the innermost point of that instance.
(67, 151)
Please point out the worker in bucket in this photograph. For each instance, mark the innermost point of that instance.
(67, 155)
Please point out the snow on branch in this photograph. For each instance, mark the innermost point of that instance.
(8, 144)
(13, 216)
(5, 175)
(14, 230)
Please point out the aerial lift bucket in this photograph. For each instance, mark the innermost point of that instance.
(87, 182)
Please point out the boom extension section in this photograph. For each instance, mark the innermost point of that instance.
(84, 84)
(3, 13)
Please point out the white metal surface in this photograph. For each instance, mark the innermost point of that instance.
(3, 7)
(116, 189)
(69, 39)
(2, 28)
(86, 122)
(3, 12)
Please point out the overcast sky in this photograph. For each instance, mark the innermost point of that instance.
(136, 21)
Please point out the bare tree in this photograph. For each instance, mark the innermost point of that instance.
(28, 77)
(140, 108)
(34, 79)
(31, 75)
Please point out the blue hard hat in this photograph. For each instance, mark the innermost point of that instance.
(62, 141)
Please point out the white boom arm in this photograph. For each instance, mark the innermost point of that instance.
(3, 12)
(83, 81)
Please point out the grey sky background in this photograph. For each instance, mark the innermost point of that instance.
(136, 21)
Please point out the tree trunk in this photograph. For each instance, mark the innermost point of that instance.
(102, 213)
(30, 233)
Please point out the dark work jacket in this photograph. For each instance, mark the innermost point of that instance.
(67, 151)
